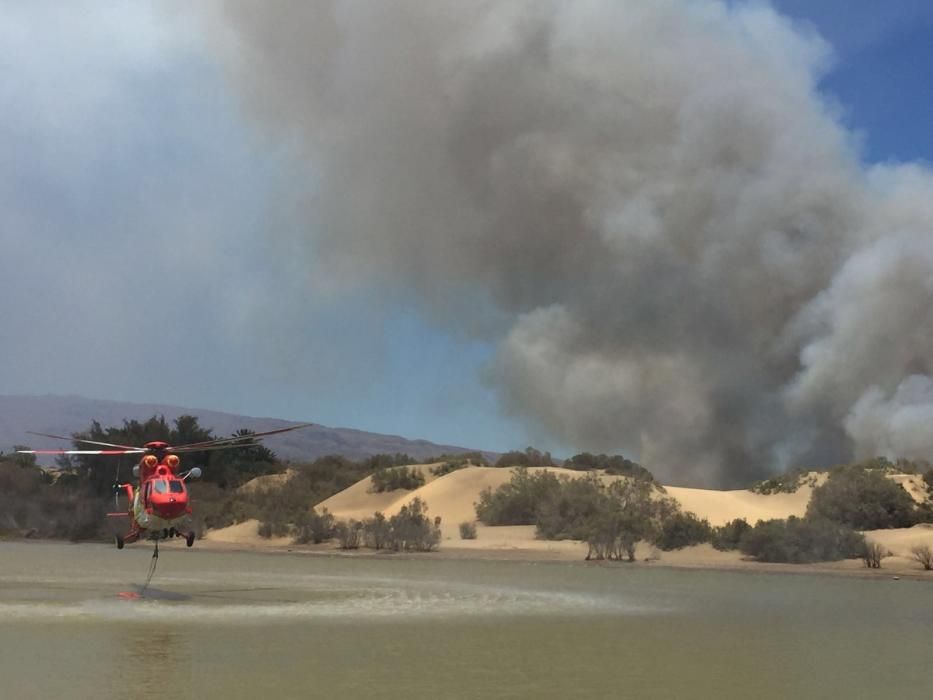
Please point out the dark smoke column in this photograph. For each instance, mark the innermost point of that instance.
(646, 205)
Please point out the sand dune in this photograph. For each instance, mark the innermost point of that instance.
(912, 484)
(245, 534)
(719, 507)
(453, 496)
(268, 481)
(359, 501)
(900, 541)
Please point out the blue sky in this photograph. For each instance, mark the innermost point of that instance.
(880, 74)
(133, 187)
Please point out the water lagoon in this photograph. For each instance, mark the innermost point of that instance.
(242, 625)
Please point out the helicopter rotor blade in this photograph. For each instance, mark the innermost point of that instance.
(82, 440)
(133, 450)
(210, 448)
(242, 439)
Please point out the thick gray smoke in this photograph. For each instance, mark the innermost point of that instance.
(647, 205)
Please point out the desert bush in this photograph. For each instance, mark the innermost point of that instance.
(449, 466)
(349, 535)
(628, 511)
(873, 553)
(683, 530)
(36, 503)
(788, 482)
(611, 464)
(530, 457)
(396, 478)
(728, 536)
(862, 499)
(376, 531)
(315, 527)
(516, 502)
(923, 554)
(928, 480)
(273, 524)
(412, 530)
(566, 512)
(611, 536)
(610, 519)
(330, 474)
(476, 459)
(468, 531)
(801, 540)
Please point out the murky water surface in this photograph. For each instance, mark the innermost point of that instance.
(241, 625)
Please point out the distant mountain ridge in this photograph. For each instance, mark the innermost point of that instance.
(64, 415)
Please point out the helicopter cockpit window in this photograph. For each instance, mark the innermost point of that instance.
(176, 486)
(160, 486)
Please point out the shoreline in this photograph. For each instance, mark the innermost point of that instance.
(696, 558)
(847, 568)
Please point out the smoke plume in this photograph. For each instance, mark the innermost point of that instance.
(648, 206)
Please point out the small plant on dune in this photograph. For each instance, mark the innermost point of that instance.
(273, 524)
(315, 527)
(376, 531)
(789, 482)
(412, 530)
(468, 531)
(683, 530)
(450, 466)
(728, 536)
(863, 499)
(517, 502)
(349, 535)
(801, 541)
(923, 554)
(873, 553)
(530, 457)
(611, 464)
(395, 478)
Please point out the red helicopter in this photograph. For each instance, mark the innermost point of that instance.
(158, 506)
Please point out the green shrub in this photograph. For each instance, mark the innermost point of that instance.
(395, 478)
(34, 503)
(801, 540)
(567, 511)
(450, 466)
(728, 536)
(349, 535)
(315, 527)
(629, 511)
(476, 459)
(273, 524)
(516, 502)
(610, 519)
(863, 499)
(683, 530)
(788, 482)
(411, 530)
(468, 531)
(529, 458)
(611, 464)
(376, 531)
